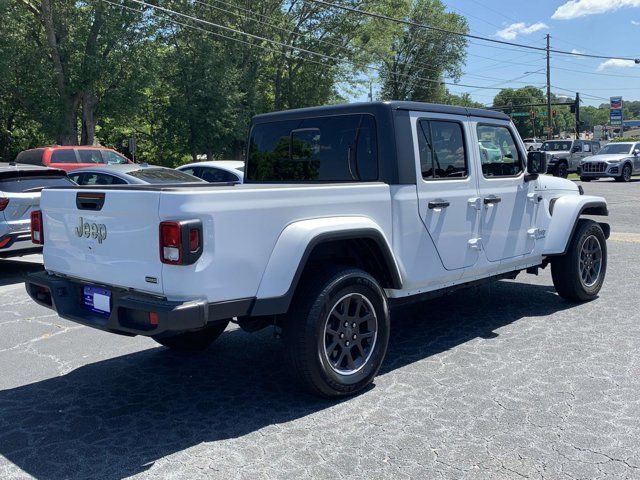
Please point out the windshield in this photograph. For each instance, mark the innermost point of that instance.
(32, 184)
(616, 148)
(162, 175)
(556, 146)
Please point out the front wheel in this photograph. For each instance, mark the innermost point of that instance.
(562, 170)
(196, 340)
(337, 331)
(578, 275)
(626, 174)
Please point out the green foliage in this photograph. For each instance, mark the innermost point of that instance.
(625, 139)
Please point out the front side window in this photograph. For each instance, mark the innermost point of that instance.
(339, 148)
(113, 158)
(499, 154)
(442, 150)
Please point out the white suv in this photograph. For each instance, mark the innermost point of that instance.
(20, 187)
(345, 211)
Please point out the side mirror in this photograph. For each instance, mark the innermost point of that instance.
(636, 152)
(575, 149)
(536, 165)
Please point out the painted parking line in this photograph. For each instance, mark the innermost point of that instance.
(625, 237)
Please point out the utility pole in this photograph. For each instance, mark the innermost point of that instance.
(549, 120)
(578, 115)
(370, 91)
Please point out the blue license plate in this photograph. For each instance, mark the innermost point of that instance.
(97, 299)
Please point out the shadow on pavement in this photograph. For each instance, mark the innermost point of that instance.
(114, 418)
(15, 271)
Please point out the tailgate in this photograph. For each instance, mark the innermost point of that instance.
(114, 244)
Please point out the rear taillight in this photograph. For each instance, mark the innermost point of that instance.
(37, 231)
(3, 203)
(180, 242)
(171, 243)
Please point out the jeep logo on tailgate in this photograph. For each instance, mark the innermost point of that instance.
(91, 230)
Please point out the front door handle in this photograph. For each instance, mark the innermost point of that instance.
(438, 204)
(491, 200)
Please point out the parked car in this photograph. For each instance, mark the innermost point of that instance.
(322, 237)
(564, 156)
(218, 171)
(71, 157)
(20, 187)
(615, 160)
(130, 174)
(532, 144)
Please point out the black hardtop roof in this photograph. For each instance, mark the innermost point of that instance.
(376, 108)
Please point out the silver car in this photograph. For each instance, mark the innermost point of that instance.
(130, 174)
(20, 187)
(615, 160)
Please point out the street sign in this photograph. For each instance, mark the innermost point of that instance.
(520, 114)
(615, 111)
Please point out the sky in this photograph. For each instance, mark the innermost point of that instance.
(601, 27)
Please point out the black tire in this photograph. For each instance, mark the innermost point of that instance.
(562, 170)
(625, 176)
(567, 270)
(585, 179)
(315, 322)
(196, 340)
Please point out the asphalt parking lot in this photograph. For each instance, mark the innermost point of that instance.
(505, 381)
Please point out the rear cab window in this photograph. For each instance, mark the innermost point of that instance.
(339, 148)
(30, 157)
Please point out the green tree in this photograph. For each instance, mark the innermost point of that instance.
(420, 58)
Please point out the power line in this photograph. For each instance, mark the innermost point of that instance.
(466, 35)
(291, 47)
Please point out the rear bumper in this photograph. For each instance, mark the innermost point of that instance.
(130, 310)
(17, 243)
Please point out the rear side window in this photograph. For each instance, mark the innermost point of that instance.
(64, 156)
(90, 156)
(442, 150)
(162, 175)
(30, 157)
(31, 184)
(340, 148)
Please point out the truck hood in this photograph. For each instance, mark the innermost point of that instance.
(547, 183)
(559, 154)
(613, 157)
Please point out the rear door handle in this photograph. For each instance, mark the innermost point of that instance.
(438, 204)
(491, 200)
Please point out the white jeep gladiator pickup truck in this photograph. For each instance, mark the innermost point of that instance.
(345, 210)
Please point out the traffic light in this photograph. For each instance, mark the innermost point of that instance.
(554, 112)
(532, 114)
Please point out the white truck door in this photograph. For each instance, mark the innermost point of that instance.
(446, 187)
(508, 210)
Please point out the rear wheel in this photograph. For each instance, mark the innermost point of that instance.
(337, 331)
(578, 275)
(196, 340)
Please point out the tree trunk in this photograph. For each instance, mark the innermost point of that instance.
(89, 104)
(209, 155)
(68, 134)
